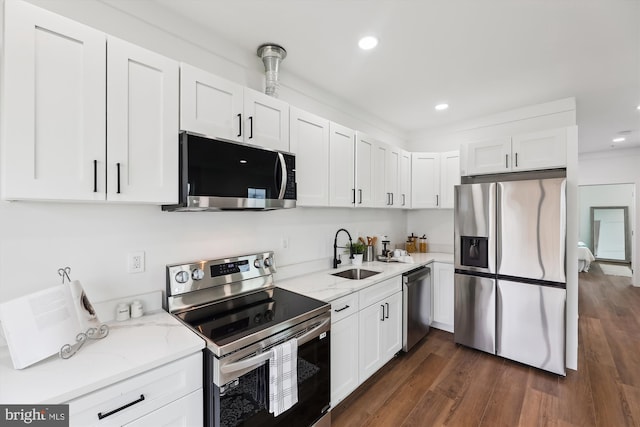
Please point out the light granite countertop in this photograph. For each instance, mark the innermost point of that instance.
(132, 347)
(324, 286)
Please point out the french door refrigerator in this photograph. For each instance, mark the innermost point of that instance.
(510, 280)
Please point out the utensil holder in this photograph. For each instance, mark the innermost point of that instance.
(369, 254)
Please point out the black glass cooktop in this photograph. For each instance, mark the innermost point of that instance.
(229, 321)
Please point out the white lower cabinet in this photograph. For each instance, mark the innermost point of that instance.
(344, 347)
(443, 296)
(168, 395)
(379, 326)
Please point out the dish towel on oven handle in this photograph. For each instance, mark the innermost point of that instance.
(283, 377)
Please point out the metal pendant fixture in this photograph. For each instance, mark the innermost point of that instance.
(272, 54)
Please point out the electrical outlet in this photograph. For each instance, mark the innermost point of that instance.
(135, 262)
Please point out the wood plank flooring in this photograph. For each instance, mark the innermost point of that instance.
(442, 384)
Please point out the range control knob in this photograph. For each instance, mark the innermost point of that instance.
(182, 276)
(268, 262)
(197, 274)
(268, 315)
(257, 264)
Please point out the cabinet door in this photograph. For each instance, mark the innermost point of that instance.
(443, 296)
(380, 190)
(425, 180)
(142, 125)
(490, 156)
(341, 165)
(392, 327)
(405, 180)
(54, 107)
(266, 121)
(449, 177)
(370, 322)
(365, 154)
(540, 150)
(344, 358)
(210, 105)
(310, 142)
(184, 412)
(393, 177)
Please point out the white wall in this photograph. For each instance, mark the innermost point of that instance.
(94, 239)
(616, 167)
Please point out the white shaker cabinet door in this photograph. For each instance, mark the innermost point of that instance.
(425, 180)
(380, 193)
(443, 296)
(405, 179)
(341, 165)
(365, 169)
(449, 177)
(540, 150)
(370, 340)
(310, 143)
(210, 105)
(142, 120)
(344, 358)
(392, 170)
(266, 121)
(54, 107)
(392, 327)
(489, 156)
(184, 412)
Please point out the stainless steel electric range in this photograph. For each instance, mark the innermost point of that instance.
(235, 306)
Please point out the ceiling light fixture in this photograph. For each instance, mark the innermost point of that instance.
(638, 107)
(621, 139)
(368, 42)
(442, 107)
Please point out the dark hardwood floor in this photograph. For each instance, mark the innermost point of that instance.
(441, 383)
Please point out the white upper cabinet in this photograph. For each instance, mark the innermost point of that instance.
(54, 107)
(341, 166)
(365, 167)
(489, 156)
(142, 125)
(266, 120)
(217, 108)
(86, 117)
(540, 150)
(310, 143)
(210, 105)
(392, 170)
(532, 151)
(449, 177)
(405, 179)
(425, 180)
(379, 190)
(434, 176)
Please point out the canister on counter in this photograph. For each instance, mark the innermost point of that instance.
(410, 246)
(422, 243)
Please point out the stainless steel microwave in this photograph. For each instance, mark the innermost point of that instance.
(219, 175)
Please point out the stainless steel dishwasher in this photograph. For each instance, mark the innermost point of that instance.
(416, 306)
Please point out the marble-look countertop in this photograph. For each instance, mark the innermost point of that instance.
(132, 347)
(324, 286)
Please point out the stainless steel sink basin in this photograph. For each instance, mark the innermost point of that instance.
(356, 273)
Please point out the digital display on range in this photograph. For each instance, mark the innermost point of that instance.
(229, 268)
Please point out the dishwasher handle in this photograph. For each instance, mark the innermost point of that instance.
(415, 275)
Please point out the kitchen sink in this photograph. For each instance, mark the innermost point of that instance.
(356, 273)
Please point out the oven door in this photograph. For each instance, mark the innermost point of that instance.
(237, 386)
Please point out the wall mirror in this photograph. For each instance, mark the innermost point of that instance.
(610, 233)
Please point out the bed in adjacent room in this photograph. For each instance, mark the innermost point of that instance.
(585, 257)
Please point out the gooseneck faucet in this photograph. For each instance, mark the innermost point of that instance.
(337, 261)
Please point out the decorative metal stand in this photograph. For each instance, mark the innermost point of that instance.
(100, 332)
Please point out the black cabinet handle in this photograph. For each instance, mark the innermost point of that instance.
(95, 176)
(506, 161)
(382, 318)
(403, 200)
(250, 127)
(239, 125)
(353, 191)
(105, 415)
(341, 309)
(360, 195)
(437, 200)
(387, 316)
(516, 159)
(118, 176)
(391, 199)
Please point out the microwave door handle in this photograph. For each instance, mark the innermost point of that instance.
(283, 179)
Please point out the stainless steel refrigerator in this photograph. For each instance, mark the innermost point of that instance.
(510, 280)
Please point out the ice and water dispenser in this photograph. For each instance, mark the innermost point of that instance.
(474, 251)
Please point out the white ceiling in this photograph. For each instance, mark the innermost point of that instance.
(480, 56)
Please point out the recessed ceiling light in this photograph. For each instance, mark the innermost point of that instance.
(621, 139)
(368, 42)
(441, 107)
(638, 107)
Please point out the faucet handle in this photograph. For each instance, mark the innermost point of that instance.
(339, 261)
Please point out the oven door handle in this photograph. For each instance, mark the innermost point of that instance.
(259, 359)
